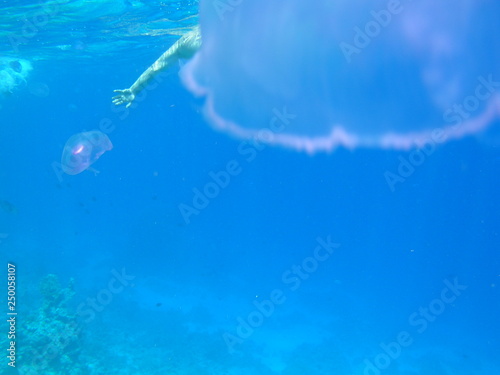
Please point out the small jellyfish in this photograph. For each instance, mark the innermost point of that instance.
(13, 74)
(82, 150)
(313, 76)
(39, 89)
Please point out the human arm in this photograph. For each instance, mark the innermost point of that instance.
(184, 48)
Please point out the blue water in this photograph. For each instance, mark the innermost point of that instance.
(406, 282)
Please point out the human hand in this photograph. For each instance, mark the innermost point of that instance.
(125, 96)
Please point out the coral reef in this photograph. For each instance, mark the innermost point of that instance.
(50, 335)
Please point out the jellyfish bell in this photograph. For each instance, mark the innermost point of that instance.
(356, 73)
(16, 66)
(82, 150)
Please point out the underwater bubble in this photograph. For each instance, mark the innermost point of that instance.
(360, 73)
(82, 150)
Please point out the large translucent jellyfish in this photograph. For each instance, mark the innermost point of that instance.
(82, 150)
(314, 75)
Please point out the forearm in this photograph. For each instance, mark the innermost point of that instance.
(184, 48)
(166, 60)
